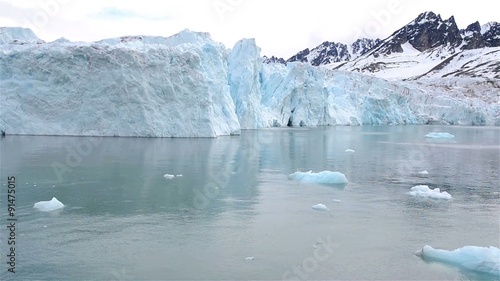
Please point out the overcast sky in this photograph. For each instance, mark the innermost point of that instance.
(280, 27)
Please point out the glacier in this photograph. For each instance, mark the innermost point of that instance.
(188, 85)
(176, 88)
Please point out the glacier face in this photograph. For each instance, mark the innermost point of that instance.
(123, 89)
(187, 85)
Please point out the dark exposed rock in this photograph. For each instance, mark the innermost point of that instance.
(491, 36)
(273, 59)
(300, 56)
(473, 38)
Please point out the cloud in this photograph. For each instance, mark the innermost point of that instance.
(114, 13)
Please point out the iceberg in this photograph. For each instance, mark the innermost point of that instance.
(439, 135)
(425, 191)
(424, 172)
(349, 150)
(483, 259)
(168, 176)
(47, 206)
(324, 177)
(320, 207)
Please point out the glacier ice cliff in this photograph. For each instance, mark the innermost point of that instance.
(187, 85)
(118, 89)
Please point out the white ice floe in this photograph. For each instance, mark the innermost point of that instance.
(439, 135)
(425, 191)
(179, 175)
(424, 172)
(484, 259)
(48, 206)
(249, 258)
(350, 150)
(168, 176)
(325, 177)
(337, 200)
(320, 207)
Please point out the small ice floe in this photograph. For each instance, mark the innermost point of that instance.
(168, 176)
(44, 226)
(350, 150)
(424, 172)
(249, 258)
(425, 191)
(319, 207)
(439, 135)
(48, 206)
(325, 177)
(337, 200)
(179, 175)
(484, 259)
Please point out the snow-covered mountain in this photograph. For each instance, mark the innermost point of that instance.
(428, 46)
(187, 85)
(331, 52)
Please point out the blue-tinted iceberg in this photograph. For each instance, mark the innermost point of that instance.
(325, 177)
(439, 135)
(47, 206)
(484, 259)
(425, 191)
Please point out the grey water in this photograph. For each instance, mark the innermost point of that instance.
(235, 215)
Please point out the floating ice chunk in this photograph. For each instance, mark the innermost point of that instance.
(484, 259)
(249, 258)
(337, 200)
(325, 177)
(439, 135)
(48, 206)
(425, 191)
(350, 150)
(320, 207)
(179, 175)
(168, 176)
(424, 172)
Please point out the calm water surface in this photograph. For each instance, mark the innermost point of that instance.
(123, 220)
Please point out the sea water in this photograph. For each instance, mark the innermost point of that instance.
(235, 214)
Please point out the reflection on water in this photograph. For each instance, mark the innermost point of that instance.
(124, 221)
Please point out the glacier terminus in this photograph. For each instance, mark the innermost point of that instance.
(188, 85)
